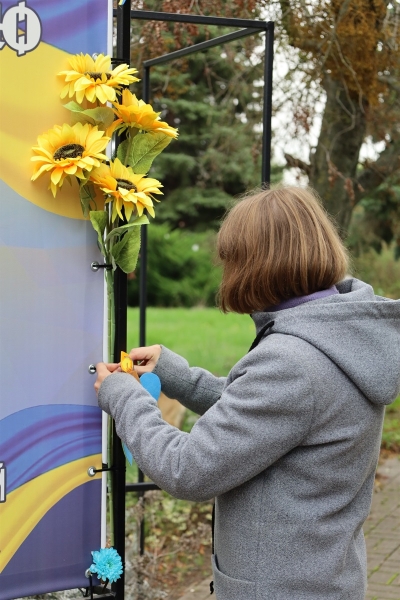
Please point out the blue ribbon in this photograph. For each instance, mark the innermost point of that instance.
(152, 384)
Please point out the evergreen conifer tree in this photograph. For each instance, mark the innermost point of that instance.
(215, 99)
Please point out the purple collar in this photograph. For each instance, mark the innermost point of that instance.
(292, 302)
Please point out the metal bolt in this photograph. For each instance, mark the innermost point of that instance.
(92, 369)
(91, 471)
(95, 266)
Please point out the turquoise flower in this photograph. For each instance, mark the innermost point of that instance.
(107, 564)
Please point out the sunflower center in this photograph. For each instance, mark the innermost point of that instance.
(126, 184)
(97, 75)
(69, 151)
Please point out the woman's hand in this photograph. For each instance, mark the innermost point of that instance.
(145, 359)
(103, 370)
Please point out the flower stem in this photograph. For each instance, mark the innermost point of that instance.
(110, 355)
(110, 317)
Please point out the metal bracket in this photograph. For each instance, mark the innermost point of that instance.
(97, 591)
(95, 266)
(119, 61)
(92, 470)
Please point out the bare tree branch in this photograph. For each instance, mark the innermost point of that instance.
(291, 161)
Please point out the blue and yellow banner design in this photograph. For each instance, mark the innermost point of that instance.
(51, 314)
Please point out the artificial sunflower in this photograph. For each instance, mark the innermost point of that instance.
(68, 150)
(136, 113)
(126, 189)
(93, 78)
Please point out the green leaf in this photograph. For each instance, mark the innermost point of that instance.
(73, 106)
(143, 149)
(126, 251)
(101, 116)
(99, 219)
(87, 196)
(121, 151)
(143, 220)
(80, 117)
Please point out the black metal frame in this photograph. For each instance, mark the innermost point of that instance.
(124, 15)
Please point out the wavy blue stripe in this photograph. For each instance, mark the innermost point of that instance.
(38, 439)
(74, 26)
(58, 551)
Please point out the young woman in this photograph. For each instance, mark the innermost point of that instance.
(288, 443)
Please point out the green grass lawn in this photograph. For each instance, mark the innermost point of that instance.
(391, 427)
(204, 336)
(207, 338)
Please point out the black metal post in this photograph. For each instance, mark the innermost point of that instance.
(118, 472)
(143, 243)
(267, 106)
(148, 15)
(123, 15)
(143, 285)
(146, 486)
(222, 39)
(142, 308)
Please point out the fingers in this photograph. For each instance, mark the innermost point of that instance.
(145, 358)
(145, 353)
(112, 366)
(103, 370)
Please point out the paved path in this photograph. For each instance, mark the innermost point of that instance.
(382, 534)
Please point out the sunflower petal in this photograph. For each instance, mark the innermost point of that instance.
(114, 125)
(114, 213)
(102, 63)
(56, 175)
(53, 188)
(39, 172)
(79, 96)
(71, 169)
(151, 212)
(118, 206)
(129, 208)
(91, 93)
(100, 93)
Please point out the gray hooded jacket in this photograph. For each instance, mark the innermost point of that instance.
(288, 444)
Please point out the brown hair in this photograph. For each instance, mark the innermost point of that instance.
(274, 245)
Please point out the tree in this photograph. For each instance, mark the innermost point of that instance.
(341, 55)
(213, 97)
(350, 47)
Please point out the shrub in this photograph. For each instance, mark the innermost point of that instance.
(181, 269)
(381, 270)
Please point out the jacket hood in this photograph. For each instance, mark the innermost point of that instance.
(357, 330)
